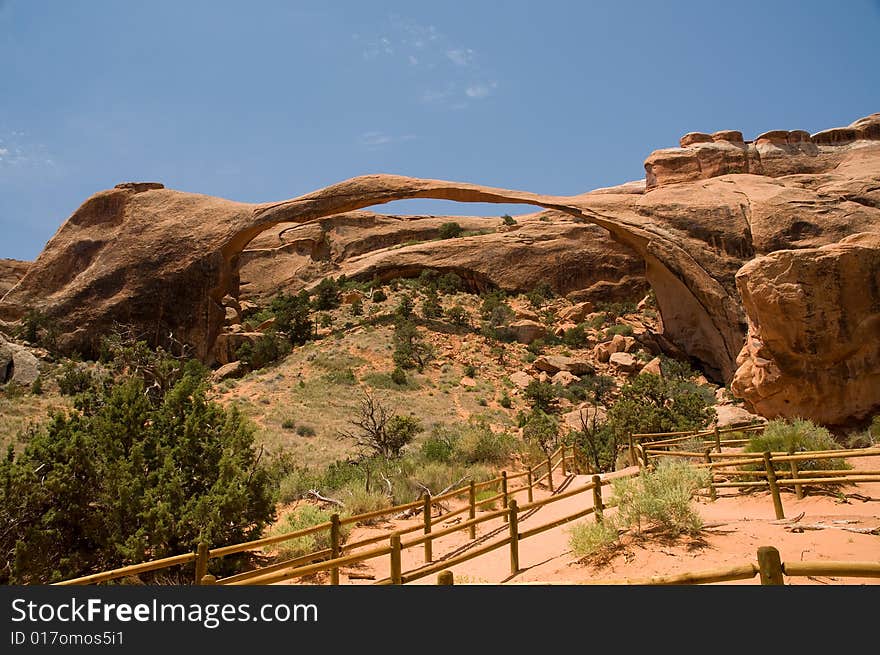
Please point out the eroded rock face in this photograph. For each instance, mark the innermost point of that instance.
(163, 260)
(773, 154)
(813, 347)
(11, 271)
(547, 247)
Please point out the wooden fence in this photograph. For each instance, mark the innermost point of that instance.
(769, 566)
(564, 458)
(644, 450)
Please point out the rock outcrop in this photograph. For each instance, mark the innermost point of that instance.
(11, 271)
(813, 347)
(163, 260)
(545, 247)
(17, 364)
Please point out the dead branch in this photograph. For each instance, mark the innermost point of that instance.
(315, 494)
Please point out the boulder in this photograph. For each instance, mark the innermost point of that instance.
(653, 367)
(564, 378)
(17, 364)
(525, 314)
(521, 379)
(467, 381)
(580, 367)
(552, 364)
(572, 419)
(561, 329)
(624, 363)
(527, 331)
(231, 370)
(732, 416)
(351, 297)
(232, 316)
(577, 313)
(813, 346)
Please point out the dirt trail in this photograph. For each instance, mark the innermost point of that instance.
(739, 524)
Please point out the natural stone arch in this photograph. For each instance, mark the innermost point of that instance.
(163, 260)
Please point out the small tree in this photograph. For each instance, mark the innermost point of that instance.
(357, 307)
(507, 219)
(379, 431)
(404, 306)
(410, 348)
(292, 317)
(326, 294)
(431, 307)
(457, 314)
(541, 396)
(542, 429)
(450, 230)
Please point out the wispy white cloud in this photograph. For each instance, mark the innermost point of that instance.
(460, 56)
(17, 150)
(376, 139)
(447, 74)
(481, 89)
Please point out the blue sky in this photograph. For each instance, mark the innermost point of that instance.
(265, 100)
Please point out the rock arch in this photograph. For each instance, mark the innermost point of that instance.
(162, 260)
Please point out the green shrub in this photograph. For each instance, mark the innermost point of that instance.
(305, 430)
(266, 349)
(541, 429)
(796, 436)
(661, 498)
(478, 443)
(326, 295)
(504, 401)
(440, 445)
(575, 337)
(300, 519)
(398, 376)
(37, 386)
(296, 484)
(292, 317)
(74, 379)
(614, 310)
(411, 350)
(589, 538)
(288, 424)
(482, 502)
(457, 314)
(649, 403)
(360, 501)
(507, 219)
(139, 473)
(470, 370)
(450, 230)
(405, 306)
(431, 307)
(541, 396)
(379, 296)
(624, 329)
(450, 283)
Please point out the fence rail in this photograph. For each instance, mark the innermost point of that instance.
(769, 567)
(203, 554)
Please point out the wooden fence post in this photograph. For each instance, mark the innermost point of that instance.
(201, 561)
(598, 506)
(774, 488)
(712, 493)
(550, 473)
(575, 466)
(632, 452)
(335, 548)
(514, 537)
(770, 566)
(645, 460)
(472, 499)
(445, 578)
(798, 489)
(531, 494)
(427, 516)
(396, 571)
(504, 491)
(564, 469)
(208, 579)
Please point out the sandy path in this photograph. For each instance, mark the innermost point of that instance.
(747, 522)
